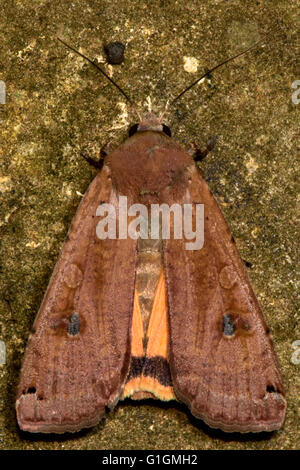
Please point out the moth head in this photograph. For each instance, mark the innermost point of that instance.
(150, 122)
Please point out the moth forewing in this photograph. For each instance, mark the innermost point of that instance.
(228, 373)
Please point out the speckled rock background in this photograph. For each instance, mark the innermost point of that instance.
(58, 106)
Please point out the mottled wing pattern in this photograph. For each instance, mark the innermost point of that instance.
(221, 356)
(78, 354)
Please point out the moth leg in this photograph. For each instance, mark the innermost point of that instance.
(199, 154)
(105, 150)
(98, 164)
(248, 264)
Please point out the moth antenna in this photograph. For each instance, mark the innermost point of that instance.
(132, 104)
(220, 65)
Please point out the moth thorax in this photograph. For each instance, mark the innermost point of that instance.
(150, 122)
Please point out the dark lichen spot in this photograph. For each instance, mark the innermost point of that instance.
(73, 327)
(228, 326)
(181, 112)
(114, 52)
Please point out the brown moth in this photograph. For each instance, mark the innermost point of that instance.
(148, 318)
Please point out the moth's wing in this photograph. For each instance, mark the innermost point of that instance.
(78, 354)
(221, 356)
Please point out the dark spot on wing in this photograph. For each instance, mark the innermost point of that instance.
(158, 368)
(73, 327)
(228, 325)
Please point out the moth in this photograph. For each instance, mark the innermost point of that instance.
(142, 317)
